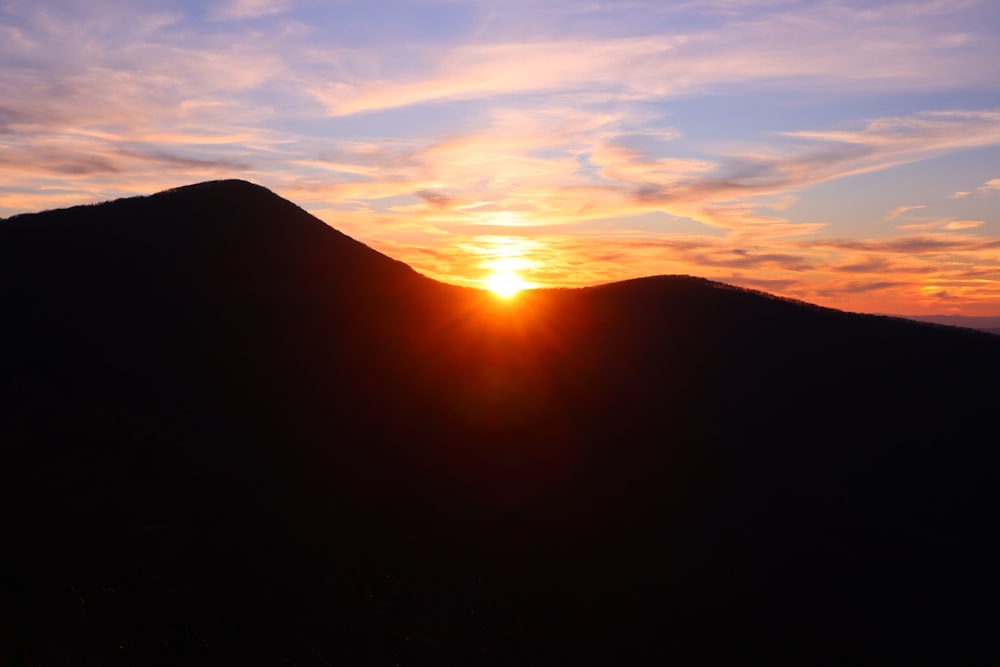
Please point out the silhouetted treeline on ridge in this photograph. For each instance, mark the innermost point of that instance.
(231, 434)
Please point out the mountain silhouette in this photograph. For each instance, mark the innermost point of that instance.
(990, 324)
(232, 434)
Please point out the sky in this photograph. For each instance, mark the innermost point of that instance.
(846, 153)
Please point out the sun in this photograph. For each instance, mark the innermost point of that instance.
(505, 284)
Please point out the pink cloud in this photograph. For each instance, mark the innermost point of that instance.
(816, 46)
(900, 210)
(990, 186)
(252, 9)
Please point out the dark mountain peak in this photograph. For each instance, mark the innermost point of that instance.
(232, 192)
(227, 231)
(225, 186)
(238, 196)
(692, 285)
(707, 303)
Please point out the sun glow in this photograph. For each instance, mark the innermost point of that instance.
(505, 284)
(506, 263)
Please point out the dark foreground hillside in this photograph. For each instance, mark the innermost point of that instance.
(232, 435)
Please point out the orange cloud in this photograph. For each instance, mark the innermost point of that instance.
(990, 186)
(900, 210)
(963, 224)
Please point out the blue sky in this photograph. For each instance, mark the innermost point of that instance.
(846, 153)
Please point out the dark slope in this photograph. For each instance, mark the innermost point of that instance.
(231, 434)
(988, 324)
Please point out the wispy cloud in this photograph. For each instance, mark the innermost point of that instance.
(986, 188)
(990, 186)
(252, 9)
(951, 225)
(963, 224)
(900, 210)
(814, 47)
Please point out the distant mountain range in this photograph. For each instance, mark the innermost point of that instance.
(232, 435)
(990, 324)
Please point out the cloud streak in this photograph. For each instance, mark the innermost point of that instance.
(252, 9)
(812, 48)
(900, 210)
(990, 186)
